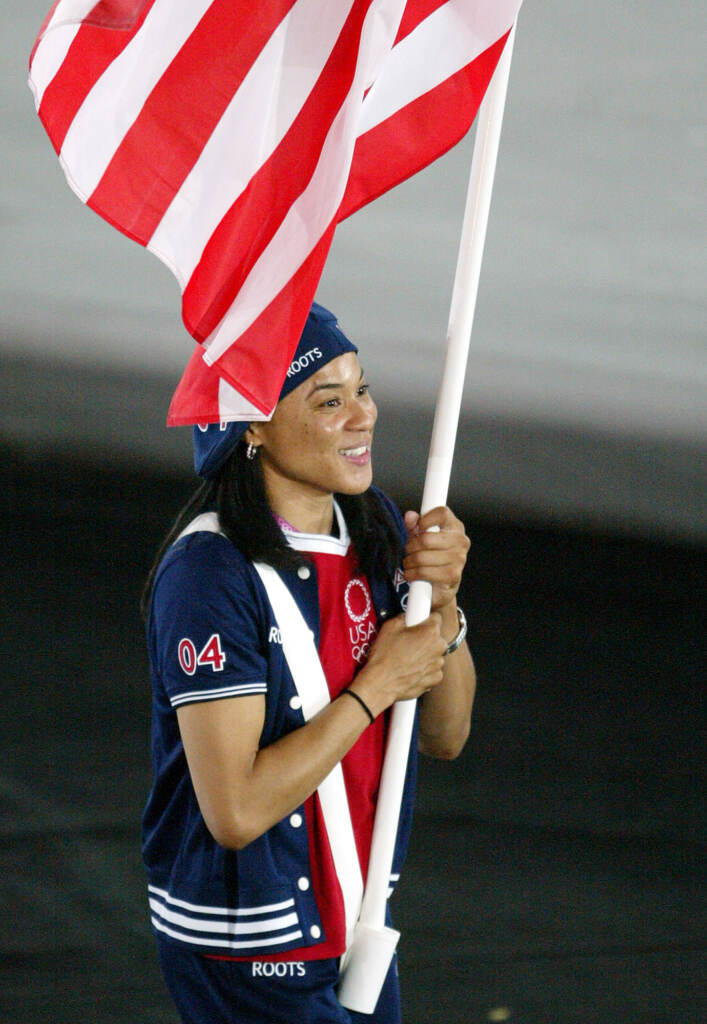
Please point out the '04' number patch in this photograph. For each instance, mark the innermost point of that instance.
(210, 654)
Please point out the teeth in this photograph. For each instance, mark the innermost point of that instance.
(355, 451)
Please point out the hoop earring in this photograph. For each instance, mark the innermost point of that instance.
(251, 451)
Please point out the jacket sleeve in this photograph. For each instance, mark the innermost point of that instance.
(205, 631)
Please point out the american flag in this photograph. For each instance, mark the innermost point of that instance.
(230, 138)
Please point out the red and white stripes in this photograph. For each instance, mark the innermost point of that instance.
(229, 138)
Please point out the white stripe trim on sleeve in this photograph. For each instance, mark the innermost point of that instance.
(208, 522)
(195, 696)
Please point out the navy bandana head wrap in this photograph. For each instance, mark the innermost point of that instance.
(322, 340)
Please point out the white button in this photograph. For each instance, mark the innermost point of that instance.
(303, 572)
(295, 820)
(295, 703)
(315, 931)
(303, 884)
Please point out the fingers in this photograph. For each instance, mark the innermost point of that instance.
(430, 637)
(443, 573)
(438, 530)
(411, 521)
(425, 634)
(437, 548)
(431, 550)
(406, 661)
(440, 517)
(431, 649)
(415, 644)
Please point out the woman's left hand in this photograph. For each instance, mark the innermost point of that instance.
(436, 556)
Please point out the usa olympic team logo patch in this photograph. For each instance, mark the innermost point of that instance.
(356, 596)
(359, 609)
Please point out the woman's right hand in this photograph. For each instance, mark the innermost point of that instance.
(404, 663)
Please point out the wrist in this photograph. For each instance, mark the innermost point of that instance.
(348, 692)
(449, 627)
(368, 685)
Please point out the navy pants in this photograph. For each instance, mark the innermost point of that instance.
(293, 992)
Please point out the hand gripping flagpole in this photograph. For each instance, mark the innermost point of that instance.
(366, 964)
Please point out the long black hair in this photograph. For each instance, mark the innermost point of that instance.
(237, 494)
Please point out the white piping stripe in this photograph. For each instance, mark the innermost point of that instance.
(266, 908)
(231, 944)
(244, 690)
(262, 111)
(310, 683)
(208, 522)
(272, 924)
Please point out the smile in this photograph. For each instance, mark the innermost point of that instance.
(353, 452)
(360, 456)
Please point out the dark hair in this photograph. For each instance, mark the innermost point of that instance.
(237, 494)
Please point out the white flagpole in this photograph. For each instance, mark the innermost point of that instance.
(366, 964)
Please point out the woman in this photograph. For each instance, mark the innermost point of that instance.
(258, 827)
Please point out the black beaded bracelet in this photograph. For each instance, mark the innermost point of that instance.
(361, 701)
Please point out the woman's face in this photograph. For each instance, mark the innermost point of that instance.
(319, 439)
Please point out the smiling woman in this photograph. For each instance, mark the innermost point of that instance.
(318, 443)
(279, 590)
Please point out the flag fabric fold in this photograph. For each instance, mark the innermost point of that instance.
(230, 139)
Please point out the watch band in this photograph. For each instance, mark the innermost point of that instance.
(461, 635)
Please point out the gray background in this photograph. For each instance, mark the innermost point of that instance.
(585, 392)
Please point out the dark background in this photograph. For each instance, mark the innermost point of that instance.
(555, 867)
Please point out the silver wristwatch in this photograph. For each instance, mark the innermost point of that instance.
(461, 635)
